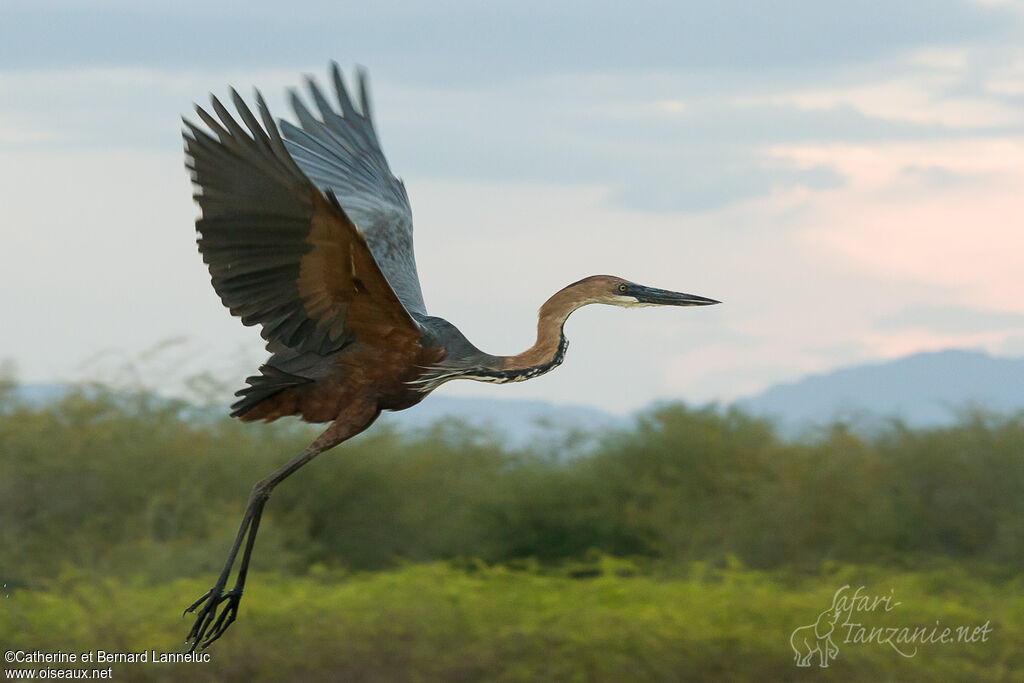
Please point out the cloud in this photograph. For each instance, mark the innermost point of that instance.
(704, 153)
(462, 41)
(1006, 79)
(718, 183)
(950, 319)
(913, 98)
(955, 88)
(940, 177)
(16, 134)
(1012, 346)
(963, 238)
(662, 140)
(827, 169)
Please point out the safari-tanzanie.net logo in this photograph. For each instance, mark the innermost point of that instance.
(848, 620)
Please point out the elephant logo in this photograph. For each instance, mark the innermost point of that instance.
(816, 638)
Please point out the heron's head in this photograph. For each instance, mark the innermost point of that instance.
(617, 291)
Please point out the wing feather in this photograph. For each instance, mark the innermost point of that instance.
(281, 254)
(340, 153)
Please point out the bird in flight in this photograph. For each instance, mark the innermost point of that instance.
(308, 234)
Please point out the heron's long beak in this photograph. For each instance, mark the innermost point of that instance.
(663, 297)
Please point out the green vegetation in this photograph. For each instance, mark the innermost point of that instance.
(438, 623)
(686, 548)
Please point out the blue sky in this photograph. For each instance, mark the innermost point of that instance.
(845, 176)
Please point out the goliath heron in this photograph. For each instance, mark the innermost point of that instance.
(308, 234)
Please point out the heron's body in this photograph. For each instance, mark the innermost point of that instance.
(309, 235)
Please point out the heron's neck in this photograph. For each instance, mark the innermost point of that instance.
(546, 353)
(549, 349)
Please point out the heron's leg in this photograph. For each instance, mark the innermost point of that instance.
(209, 624)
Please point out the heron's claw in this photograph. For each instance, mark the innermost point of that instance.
(211, 624)
(192, 607)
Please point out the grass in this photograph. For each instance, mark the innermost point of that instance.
(442, 622)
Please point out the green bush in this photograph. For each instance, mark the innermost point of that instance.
(131, 484)
(686, 548)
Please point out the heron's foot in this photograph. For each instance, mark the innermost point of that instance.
(212, 619)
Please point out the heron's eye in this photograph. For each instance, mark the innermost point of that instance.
(622, 288)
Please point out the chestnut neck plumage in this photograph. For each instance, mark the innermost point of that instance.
(465, 361)
(549, 349)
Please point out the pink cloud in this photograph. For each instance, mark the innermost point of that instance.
(959, 230)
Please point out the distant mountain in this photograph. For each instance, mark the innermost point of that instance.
(518, 421)
(38, 394)
(923, 389)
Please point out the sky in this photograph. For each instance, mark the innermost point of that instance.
(845, 177)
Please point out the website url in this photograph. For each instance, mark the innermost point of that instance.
(27, 674)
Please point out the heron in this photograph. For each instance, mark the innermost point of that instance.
(308, 234)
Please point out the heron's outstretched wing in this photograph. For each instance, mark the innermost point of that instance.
(282, 253)
(341, 153)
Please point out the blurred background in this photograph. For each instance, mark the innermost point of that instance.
(686, 490)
